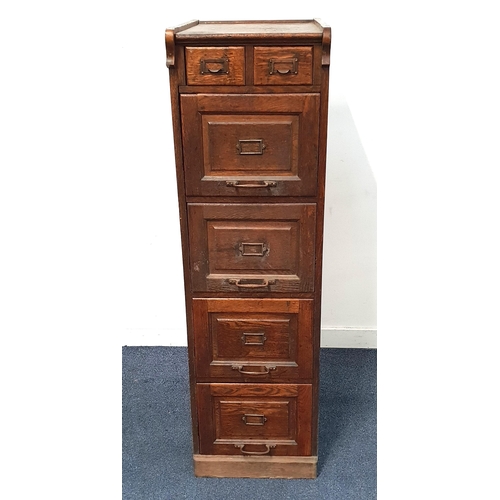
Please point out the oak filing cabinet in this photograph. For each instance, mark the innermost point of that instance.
(249, 107)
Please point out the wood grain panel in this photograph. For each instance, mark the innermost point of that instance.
(268, 419)
(230, 340)
(217, 232)
(277, 134)
(221, 65)
(250, 30)
(283, 65)
(255, 467)
(248, 145)
(241, 418)
(249, 106)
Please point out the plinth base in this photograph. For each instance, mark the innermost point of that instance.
(285, 467)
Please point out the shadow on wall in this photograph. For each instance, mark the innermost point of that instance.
(350, 240)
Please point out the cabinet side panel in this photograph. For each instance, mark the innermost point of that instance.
(176, 76)
(319, 250)
(251, 161)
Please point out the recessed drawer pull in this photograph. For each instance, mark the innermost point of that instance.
(251, 184)
(265, 371)
(293, 69)
(266, 452)
(224, 70)
(253, 249)
(258, 341)
(250, 283)
(253, 419)
(250, 146)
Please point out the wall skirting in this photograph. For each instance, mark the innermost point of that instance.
(341, 337)
(349, 337)
(155, 336)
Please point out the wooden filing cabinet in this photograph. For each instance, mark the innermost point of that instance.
(249, 108)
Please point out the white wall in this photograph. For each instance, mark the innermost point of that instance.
(349, 268)
(96, 179)
(91, 161)
(349, 282)
(156, 315)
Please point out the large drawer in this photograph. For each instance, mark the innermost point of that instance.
(250, 144)
(252, 247)
(255, 419)
(254, 340)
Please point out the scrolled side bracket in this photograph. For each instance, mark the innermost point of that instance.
(170, 40)
(170, 47)
(325, 42)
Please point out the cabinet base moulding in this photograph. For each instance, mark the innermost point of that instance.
(255, 467)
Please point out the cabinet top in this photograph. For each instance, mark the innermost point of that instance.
(247, 31)
(250, 29)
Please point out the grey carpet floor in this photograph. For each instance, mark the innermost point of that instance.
(157, 451)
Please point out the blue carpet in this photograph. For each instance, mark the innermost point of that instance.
(157, 451)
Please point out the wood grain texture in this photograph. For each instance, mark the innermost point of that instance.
(250, 153)
(255, 89)
(326, 44)
(176, 78)
(255, 467)
(287, 229)
(170, 47)
(284, 60)
(252, 334)
(288, 125)
(284, 411)
(319, 245)
(223, 65)
(170, 34)
(252, 30)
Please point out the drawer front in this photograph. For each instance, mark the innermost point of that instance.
(283, 65)
(252, 247)
(253, 339)
(215, 65)
(250, 145)
(255, 419)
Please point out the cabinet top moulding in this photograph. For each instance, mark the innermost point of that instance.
(249, 31)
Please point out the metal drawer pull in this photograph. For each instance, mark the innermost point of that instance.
(268, 449)
(250, 147)
(276, 71)
(224, 70)
(253, 249)
(266, 370)
(251, 184)
(249, 283)
(254, 419)
(260, 341)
